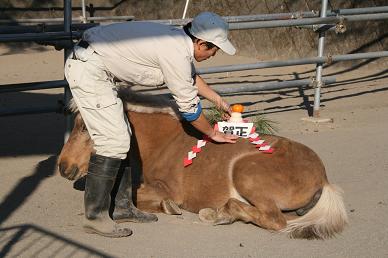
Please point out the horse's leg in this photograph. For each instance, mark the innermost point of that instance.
(153, 199)
(170, 207)
(266, 214)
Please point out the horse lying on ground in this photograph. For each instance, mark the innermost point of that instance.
(286, 191)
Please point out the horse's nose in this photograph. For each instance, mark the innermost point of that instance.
(62, 169)
(68, 173)
(73, 173)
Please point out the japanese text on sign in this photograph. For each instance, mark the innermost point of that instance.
(241, 129)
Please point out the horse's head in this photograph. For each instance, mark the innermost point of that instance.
(73, 161)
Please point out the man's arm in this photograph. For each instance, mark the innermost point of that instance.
(179, 80)
(205, 91)
(201, 122)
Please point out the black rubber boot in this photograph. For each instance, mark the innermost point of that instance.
(125, 210)
(99, 183)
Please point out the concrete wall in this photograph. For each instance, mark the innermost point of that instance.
(264, 44)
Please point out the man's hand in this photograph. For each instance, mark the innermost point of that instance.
(221, 137)
(203, 126)
(205, 91)
(224, 106)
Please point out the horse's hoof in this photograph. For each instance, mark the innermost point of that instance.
(170, 207)
(208, 215)
(223, 221)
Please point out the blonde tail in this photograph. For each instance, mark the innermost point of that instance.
(327, 218)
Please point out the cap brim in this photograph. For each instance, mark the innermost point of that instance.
(227, 47)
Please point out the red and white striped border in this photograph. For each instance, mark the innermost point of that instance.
(254, 138)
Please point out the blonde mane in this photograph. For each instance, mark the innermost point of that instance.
(146, 103)
(141, 103)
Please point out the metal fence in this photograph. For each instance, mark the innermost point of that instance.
(320, 22)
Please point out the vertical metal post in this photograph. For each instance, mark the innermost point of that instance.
(185, 10)
(67, 93)
(83, 12)
(318, 76)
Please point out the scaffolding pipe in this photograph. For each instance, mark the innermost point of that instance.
(83, 11)
(67, 94)
(231, 19)
(283, 16)
(232, 26)
(60, 20)
(111, 18)
(245, 87)
(310, 60)
(270, 17)
(244, 18)
(305, 21)
(298, 15)
(68, 35)
(43, 28)
(318, 75)
(28, 111)
(185, 10)
(43, 36)
(261, 86)
(67, 23)
(312, 14)
(229, 68)
(366, 10)
(33, 86)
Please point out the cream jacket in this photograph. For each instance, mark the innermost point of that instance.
(149, 54)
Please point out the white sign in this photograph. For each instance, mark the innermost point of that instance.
(241, 129)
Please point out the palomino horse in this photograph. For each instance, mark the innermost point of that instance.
(286, 191)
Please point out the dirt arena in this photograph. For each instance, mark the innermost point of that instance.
(41, 212)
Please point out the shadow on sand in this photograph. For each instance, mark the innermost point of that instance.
(25, 187)
(29, 240)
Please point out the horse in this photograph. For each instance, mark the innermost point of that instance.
(286, 191)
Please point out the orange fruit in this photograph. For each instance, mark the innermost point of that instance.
(237, 108)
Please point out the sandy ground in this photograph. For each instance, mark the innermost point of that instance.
(41, 213)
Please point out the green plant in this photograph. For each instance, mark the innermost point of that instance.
(214, 115)
(263, 124)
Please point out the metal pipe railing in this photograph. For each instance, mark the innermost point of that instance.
(67, 94)
(8, 29)
(43, 36)
(284, 16)
(305, 21)
(83, 8)
(185, 9)
(231, 19)
(243, 23)
(268, 21)
(58, 108)
(366, 10)
(261, 86)
(232, 26)
(243, 87)
(75, 19)
(318, 76)
(219, 69)
(33, 86)
(302, 61)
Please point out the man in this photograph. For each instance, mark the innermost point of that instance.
(142, 53)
